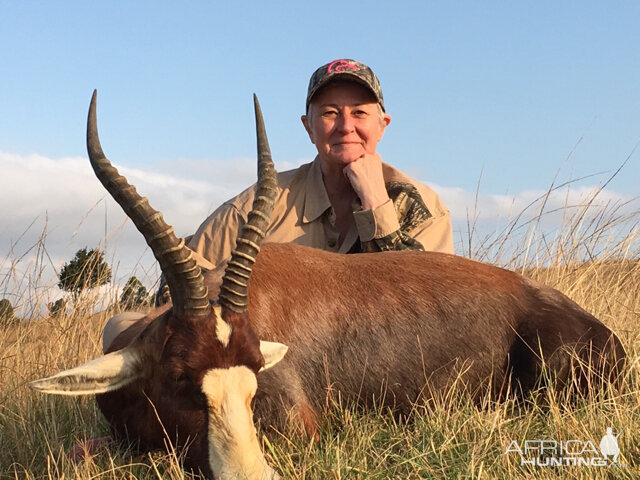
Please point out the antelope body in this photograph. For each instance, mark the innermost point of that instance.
(389, 326)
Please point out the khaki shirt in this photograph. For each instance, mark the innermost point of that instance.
(414, 217)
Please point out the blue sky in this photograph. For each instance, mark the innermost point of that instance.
(520, 91)
(505, 86)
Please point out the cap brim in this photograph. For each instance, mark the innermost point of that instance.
(341, 76)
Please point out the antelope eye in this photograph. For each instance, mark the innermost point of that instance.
(182, 378)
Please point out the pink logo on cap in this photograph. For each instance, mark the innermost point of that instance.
(338, 66)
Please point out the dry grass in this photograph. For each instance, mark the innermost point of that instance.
(593, 260)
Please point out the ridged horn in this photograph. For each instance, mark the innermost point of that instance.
(235, 283)
(183, 275)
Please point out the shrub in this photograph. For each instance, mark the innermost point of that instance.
(6, 312)
(57, 308)
(134, 294)
(87, 269)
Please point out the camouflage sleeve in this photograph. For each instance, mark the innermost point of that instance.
(388, 227)
(397, 240)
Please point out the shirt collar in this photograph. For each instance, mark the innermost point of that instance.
(316, 200)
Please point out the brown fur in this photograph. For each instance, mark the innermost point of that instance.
(371, 326)
(359, 324)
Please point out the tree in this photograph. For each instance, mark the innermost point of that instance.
(57, 308)
(86, 270)
(134, 294)
(6, 312)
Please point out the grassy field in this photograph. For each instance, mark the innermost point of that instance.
(448, 437)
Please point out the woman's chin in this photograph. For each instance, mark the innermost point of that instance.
(347, 154)
(346, 159)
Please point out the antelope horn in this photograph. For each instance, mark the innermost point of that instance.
(235, 283)
(184, 277)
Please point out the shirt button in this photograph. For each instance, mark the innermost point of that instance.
(332, 243)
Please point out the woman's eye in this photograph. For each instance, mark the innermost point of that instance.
(329, 113)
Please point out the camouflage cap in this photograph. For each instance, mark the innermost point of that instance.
(346, 69)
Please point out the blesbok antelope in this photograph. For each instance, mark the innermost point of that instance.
(390, 326)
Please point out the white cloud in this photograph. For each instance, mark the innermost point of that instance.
(503, 224)
(487, 206)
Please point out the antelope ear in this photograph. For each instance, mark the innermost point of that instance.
(272, 352)
(104, 374)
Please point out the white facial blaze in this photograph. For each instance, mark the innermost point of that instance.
(104, 374)
(234, 451)
(223, 329)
